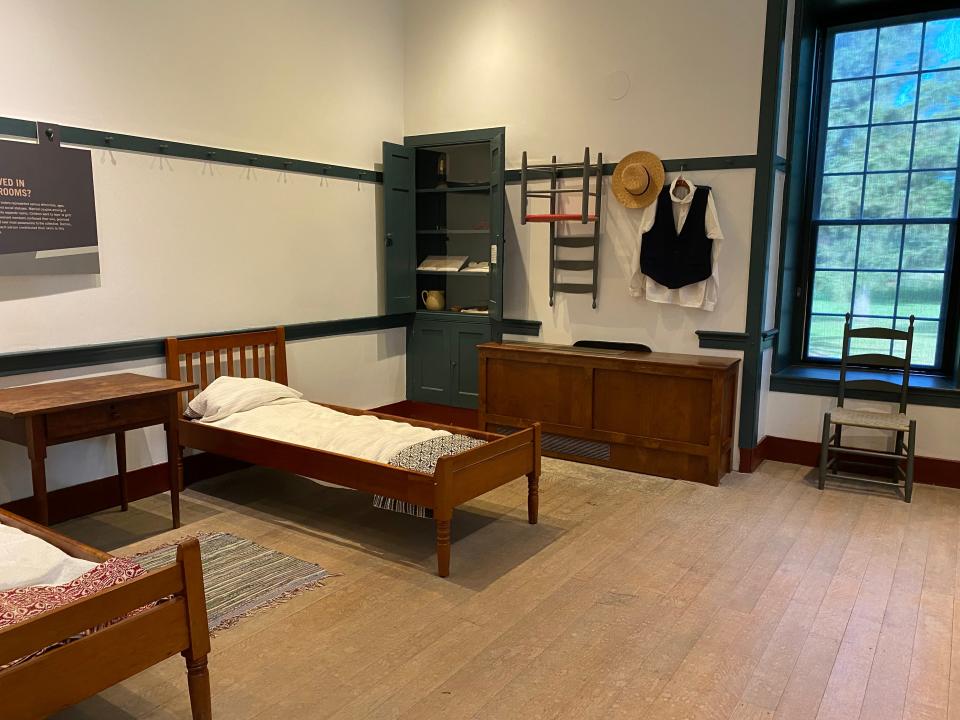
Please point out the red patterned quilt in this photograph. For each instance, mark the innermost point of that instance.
(19, 604)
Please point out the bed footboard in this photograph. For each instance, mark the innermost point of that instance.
(463, 477)
(65, 675)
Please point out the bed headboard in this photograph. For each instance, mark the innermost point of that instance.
(201, 360)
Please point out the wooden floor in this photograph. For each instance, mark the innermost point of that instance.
(635, 597)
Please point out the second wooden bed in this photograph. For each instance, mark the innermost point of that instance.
(457, 479)
(52, 680)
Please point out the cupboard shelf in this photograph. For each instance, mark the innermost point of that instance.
(446, 231)
(458, 273)
(458, 189)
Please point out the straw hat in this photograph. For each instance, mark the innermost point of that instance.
(638, 179)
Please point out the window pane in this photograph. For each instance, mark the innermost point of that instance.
(840, 197)
(870, 345)
(826, 336)
(836, 246)
(845, 150)
(889, 147)
(850, 103)
(940, 95)
(926, 338)
(853, 54)
(899, 49)
(937, 145)
(942, 45)
(832, 291)
(880, 247)
(894, 99)
(889, 173)
(925, 247)
(876, 293)
(931, 194)
(885, 195)
(921, 294)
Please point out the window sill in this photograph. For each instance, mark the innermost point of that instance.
(934, 390)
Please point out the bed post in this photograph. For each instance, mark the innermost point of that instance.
(533, 479)
(443, 513)
(173, 367)
(198, 677)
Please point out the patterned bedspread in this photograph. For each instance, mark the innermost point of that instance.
(423, 457)
(19, 604)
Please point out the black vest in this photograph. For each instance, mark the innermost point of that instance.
(674, 259)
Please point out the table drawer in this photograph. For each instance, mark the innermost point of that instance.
(108, 417)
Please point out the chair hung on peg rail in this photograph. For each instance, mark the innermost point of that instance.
(555, 172)
(874, 373)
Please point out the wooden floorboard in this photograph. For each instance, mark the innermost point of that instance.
(634, 597)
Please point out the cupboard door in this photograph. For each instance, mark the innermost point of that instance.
(428, 352)
(497, 171)
(399, 212)
(464, 365)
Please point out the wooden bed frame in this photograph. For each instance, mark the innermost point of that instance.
(456, 479)
(84, 667)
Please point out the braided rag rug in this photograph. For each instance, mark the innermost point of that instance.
(239, 576)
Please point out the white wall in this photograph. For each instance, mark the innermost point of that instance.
(190, 247)
(549, 72)
(800, 417)
(547, 68)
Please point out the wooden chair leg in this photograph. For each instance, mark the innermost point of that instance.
(443, 547)
(911, 448)
(825, 451)
(198, 684)
(533, 497)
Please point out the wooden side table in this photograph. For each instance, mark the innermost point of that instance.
(37, 416)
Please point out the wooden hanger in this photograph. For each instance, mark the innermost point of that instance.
(681, 181)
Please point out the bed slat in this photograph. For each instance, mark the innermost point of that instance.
(243, 361)
(266, 363)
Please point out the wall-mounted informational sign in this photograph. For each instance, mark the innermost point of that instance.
(48, 219)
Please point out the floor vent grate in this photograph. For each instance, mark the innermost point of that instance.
(566, 445)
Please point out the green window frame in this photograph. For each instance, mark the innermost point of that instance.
(885, 189)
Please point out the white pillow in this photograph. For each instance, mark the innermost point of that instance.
(27, 561)
(228, 395)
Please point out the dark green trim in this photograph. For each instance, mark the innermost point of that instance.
(459, 137)
(763, 211)
(824, 382)
(134, 143)
(90, 355)
(723, 162)
(769, 337)
(518, 327)
(719, 340)
(791, 300)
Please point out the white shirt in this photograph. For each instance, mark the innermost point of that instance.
(701, 295)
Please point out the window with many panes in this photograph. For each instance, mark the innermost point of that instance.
(886, 192)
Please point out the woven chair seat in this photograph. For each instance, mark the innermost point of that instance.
(870, 419)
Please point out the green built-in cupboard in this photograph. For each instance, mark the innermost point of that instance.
(444, 197)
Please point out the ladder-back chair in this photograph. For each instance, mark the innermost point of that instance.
(874, 373)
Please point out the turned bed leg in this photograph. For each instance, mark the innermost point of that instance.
(533, 478)
(198, 683)
(443, 548)
(533, 497)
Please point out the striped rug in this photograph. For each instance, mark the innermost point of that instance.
(241, 577)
